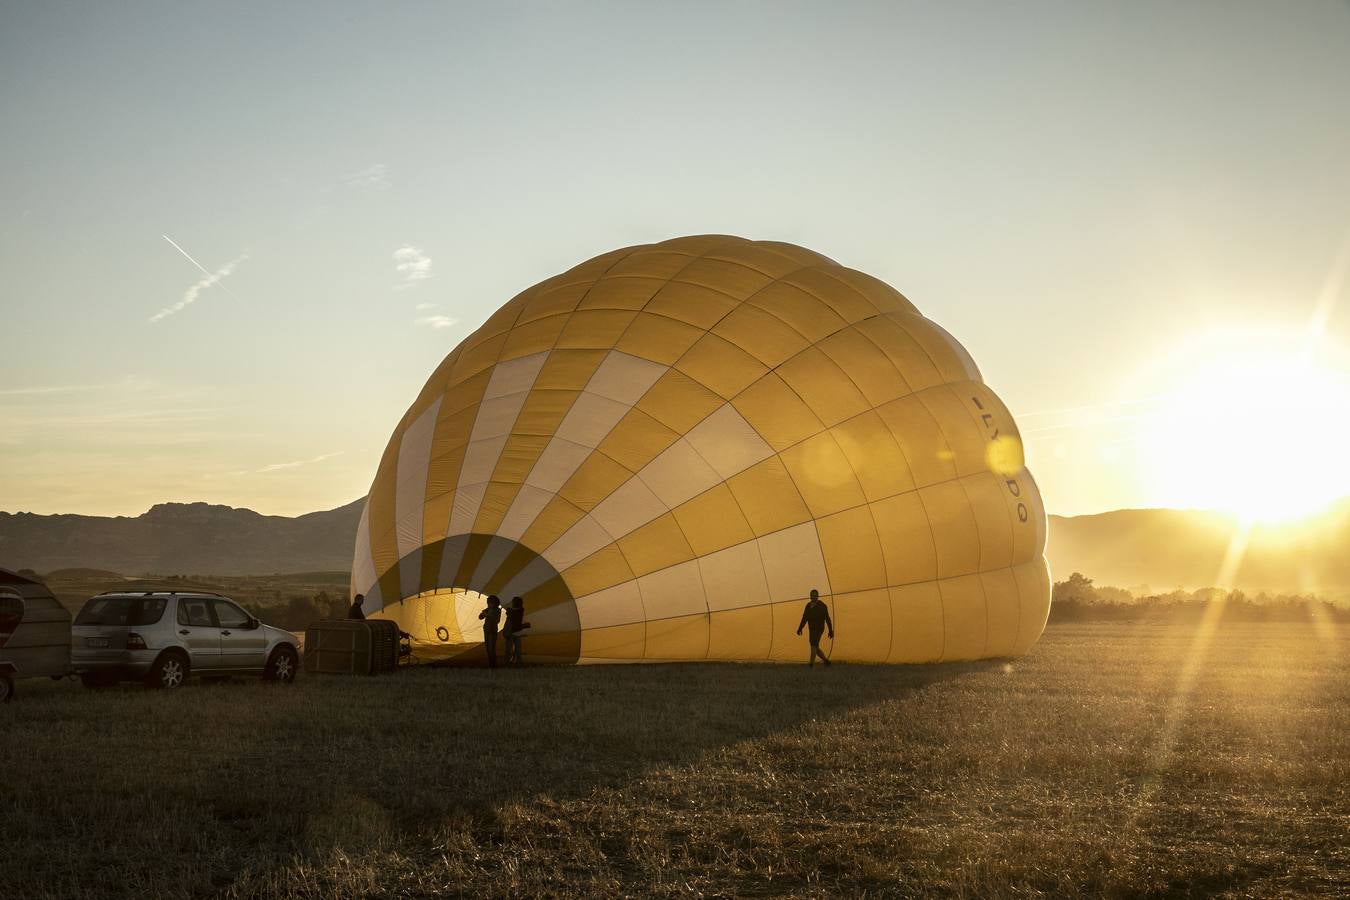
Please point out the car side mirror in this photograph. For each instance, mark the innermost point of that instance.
(254, 623)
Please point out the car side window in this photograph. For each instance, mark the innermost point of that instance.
(229, 615)
(194, 612)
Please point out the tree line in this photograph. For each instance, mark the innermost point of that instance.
(1077, 599)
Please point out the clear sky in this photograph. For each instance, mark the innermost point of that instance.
(1090, 196)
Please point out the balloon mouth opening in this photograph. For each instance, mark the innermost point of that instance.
(444, 586)
(455, 619)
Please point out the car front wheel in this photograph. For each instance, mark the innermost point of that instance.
(169, 671)
(282, 666)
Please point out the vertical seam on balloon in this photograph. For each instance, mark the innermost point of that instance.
(937, 369)
(530, 471)
(937, 581)
(668, 282)
(710, 330)
(707, 609)
(827, 304)
(596, 448)
(979, 569)
(514, 419)
(745, 265)
(980, 566)
(613, 347)
(739, 508)
(630, 251)
(397, 439)
(763, 574)
(425, 470)
(547, 354)
(932, 539)
(825, 270)
(770, 247)
(1012, 526)
(458, 472)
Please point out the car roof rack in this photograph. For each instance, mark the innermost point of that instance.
(172, 593)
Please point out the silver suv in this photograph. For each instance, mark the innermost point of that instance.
(161, 637)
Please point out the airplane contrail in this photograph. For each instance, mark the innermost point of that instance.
(187, 255)
(212, 279)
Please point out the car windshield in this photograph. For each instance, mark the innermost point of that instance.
(121, 611)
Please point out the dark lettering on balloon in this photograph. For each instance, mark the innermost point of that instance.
(1014, 489)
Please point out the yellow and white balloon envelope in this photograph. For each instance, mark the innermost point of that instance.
(665, 448)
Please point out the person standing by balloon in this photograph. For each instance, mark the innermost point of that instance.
(515, 624)
(491, 617)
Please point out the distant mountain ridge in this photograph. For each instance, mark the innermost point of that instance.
(183, 538)
(1167, 548)
(1130, 548)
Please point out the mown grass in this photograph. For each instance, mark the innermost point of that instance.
(1103, 763)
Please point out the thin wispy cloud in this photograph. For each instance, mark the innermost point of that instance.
(413, 266)
(209, 279)
(436, 322)
(295, 464)
(53, 389)
(371, 178)
(130, 383)
(422, 307)
(278, 467)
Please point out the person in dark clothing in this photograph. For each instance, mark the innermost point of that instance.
(491, 617)
(356, 612)
(816, 618)
(515, 624)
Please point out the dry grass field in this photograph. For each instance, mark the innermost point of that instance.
(1117, 760)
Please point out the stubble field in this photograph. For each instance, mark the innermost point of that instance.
(1113, 760)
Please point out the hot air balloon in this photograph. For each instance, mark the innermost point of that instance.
(665, 448)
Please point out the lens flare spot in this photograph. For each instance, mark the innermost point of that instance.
(1004, 455)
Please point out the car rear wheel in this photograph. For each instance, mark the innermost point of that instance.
(6, 688)
(169, 671)
(282, 666)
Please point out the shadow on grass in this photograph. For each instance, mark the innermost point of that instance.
(431, 743)
(248, 776)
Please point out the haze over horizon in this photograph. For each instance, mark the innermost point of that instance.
(236, 241)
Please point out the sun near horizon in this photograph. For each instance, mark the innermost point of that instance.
(1247, 422)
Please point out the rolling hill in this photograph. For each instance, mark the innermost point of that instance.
(1166, 548)
(1131, 548)
(183, 538)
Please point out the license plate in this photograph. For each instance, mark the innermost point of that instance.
(96, 642)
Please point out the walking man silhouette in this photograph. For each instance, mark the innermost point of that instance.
(816, 618)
